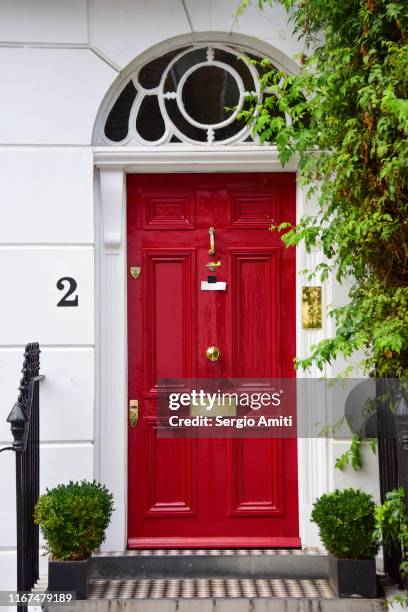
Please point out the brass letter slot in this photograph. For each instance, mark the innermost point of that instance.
(228, 408)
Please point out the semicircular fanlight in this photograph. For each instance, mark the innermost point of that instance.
(188, 95)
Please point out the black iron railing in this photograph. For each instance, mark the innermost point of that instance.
(25, 427)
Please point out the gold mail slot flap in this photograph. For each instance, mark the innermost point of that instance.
(227, 409)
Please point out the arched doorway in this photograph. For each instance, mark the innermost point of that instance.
(123, 147)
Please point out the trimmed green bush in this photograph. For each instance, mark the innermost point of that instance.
(346, 523)
(73, 518)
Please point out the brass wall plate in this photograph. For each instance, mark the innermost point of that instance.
(312, 317)
(135, 271)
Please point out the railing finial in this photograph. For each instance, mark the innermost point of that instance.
(24, 419)
(18, 417)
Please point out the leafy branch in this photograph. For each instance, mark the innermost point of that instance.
(344, 118)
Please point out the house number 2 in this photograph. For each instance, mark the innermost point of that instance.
(68, 283)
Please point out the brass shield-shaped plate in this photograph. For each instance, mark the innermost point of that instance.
(135, 271)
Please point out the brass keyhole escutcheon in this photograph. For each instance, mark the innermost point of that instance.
(135, 272)
(213, 353)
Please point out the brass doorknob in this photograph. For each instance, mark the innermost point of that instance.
(213, 353)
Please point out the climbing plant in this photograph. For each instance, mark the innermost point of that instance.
(344, 117)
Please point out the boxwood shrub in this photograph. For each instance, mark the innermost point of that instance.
(346, 523)
(73, 518)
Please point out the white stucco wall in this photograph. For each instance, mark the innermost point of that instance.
(58, 61)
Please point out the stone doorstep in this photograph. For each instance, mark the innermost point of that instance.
(246, 563)
(224, 605)
(210, 588)
(246, 580)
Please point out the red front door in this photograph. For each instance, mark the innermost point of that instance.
(209, 492)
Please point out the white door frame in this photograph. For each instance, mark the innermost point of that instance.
(112, 164)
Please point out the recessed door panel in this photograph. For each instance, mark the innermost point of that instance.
(168, 496)
(256, 479)
(169, 286)
(255, 282)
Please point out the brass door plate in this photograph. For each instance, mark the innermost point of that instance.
(133, 412)
(311, 307)
(135, 271)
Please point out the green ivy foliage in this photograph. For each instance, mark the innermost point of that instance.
(346, 523)
(391, 526)
(73, 518)
(346, 122)
(353, 455)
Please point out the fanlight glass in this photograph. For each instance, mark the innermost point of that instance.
(191, 95)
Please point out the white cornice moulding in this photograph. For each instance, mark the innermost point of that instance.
(255, 158)
(112, 198)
